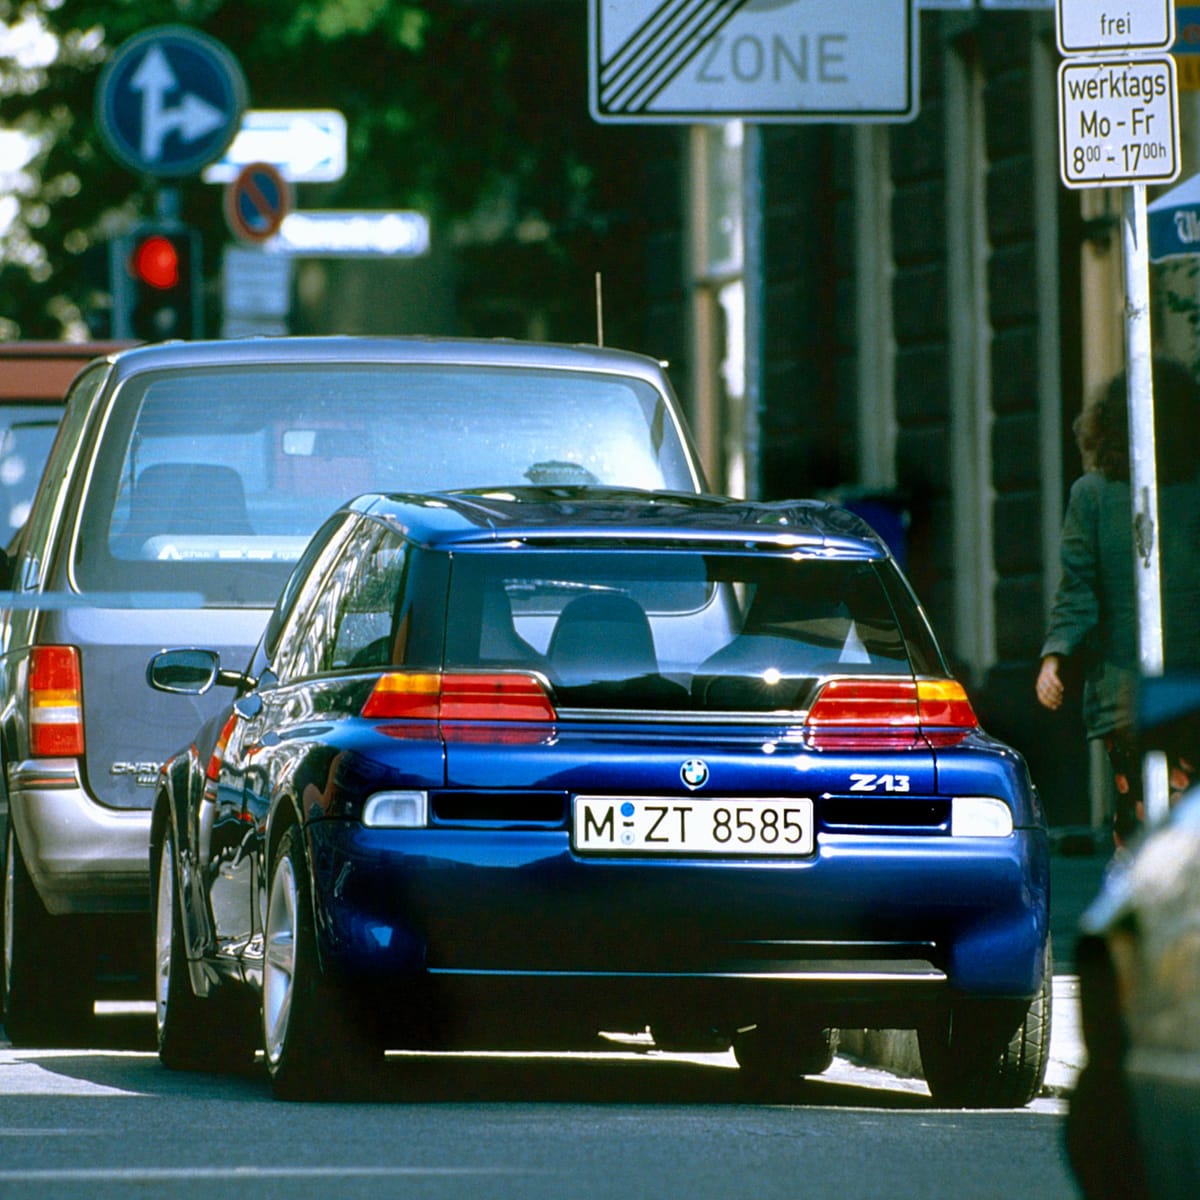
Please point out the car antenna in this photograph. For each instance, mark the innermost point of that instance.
(599, 309)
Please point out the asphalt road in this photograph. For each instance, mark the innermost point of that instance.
(112, 1123)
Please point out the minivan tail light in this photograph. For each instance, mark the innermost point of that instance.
(55, 702)
(937, 707)
(459, 696)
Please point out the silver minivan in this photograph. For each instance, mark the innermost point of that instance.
(185, 482)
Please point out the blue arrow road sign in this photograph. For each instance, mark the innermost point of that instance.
(170, 101)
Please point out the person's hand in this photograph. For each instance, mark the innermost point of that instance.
(1049, 683)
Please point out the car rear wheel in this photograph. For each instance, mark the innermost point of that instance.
(774, 1060)
(990, 1055)
(47, 976)
(193, 1034)
(312, 1046)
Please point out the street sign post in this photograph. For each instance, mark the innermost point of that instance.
(307, 145)
(169, 101)
(691, 61)
(1118, 121)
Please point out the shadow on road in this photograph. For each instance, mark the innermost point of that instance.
(121, 1057)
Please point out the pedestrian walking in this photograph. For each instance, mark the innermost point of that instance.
(1092, 631)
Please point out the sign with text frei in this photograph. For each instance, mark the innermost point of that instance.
(1118, 104)
(1113, 26)
(690, 61)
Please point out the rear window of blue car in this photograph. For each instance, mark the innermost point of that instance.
(680, 629)
(211, 481)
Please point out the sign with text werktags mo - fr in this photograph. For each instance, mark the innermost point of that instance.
(1118, 121)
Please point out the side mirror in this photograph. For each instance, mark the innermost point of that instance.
(183, 672)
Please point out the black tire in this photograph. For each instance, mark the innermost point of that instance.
(774, 1060)
(990, 1055)
(48, 971)
(194, 1034)
(313, 1048)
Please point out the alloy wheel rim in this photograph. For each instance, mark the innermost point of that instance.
(164, 928)
(279, 960)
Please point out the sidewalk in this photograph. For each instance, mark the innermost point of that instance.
(1066, 1038)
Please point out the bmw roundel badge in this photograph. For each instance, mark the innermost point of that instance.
(694, 773)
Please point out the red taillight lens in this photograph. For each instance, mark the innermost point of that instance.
(875, 703)
(494, 698)
(898, 708)
(464, 696)
(55, 702)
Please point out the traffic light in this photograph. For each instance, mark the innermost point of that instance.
(155, 276)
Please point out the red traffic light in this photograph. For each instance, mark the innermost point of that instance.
(155, 262)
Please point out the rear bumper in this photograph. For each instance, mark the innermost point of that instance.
(82, 856)
(867, 931)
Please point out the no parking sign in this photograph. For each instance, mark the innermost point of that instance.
(256, 202)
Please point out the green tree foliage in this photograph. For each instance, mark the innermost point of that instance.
(472, 111)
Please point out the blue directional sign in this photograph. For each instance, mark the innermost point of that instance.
(169, 101)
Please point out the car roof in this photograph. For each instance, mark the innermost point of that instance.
(345, 348)
(611, 516)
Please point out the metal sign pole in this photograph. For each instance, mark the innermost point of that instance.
(1143, 473)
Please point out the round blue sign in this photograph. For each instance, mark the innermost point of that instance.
(170, 101)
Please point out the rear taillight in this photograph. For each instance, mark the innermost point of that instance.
(477, 697)
(55, 702)
(414, 695)
(898, 708)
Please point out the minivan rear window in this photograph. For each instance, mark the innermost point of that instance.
(212, 480)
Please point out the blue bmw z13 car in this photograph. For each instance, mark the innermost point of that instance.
(510, 768)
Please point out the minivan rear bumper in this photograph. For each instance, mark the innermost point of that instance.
(82, 856)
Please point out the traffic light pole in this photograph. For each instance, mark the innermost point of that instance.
(156, 276)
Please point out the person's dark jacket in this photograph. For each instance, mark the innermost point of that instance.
(1094, 614)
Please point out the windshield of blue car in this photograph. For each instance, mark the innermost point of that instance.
(213, 480)
(674, 629)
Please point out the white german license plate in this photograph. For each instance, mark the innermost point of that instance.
(650, 825)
